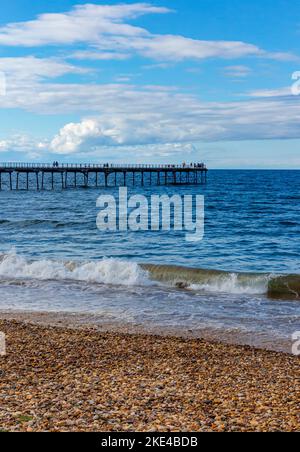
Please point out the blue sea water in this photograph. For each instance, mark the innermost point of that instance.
(50, 245)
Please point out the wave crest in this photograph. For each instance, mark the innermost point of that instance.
(210, 280)
(105, 271)
(127, 273)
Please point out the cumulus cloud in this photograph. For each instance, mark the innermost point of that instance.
(72, 136)
(162, 122)
(175, 123)
(120, 130)
(129, 115)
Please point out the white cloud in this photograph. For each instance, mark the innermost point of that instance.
(72, 136)
(161, 122)
(122, 115)
(178, 48)
(105, 27)
(282, 56)
(149, 120)
(281, 92)
(84, 23)
(136, 153)
(122, 79)
(101, 56)
(33, 69)
(23, 143)
(237, 71)
(128, 115)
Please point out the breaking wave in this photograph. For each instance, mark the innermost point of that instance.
(128, 273)
(105, 271)
(275, 286)
(210, 280)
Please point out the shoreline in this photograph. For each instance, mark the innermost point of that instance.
(78, 320)
(79, 379)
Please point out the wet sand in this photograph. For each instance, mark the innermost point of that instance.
(61, 378)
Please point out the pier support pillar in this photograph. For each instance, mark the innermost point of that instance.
(37, 180)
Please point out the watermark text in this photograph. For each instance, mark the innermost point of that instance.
(296, 85)
(153, 213)
(2, 344)
(296, 343)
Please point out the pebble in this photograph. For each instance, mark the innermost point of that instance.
(59, 379)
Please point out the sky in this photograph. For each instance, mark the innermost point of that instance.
(156, 82)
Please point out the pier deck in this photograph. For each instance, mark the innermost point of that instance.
(26, 176)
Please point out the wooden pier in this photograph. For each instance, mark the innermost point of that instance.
(26, 176)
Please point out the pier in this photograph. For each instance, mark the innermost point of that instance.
(44, 176)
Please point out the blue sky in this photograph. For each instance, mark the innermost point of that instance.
(162, 81)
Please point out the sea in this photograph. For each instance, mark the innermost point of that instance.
(240, 284)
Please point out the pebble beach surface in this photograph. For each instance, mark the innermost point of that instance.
(67, 379)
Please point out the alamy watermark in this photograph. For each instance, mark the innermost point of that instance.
(296, 343)
(2, 84)
(296, 85)
(2, 344)
(183, 213)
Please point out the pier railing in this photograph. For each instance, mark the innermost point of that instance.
(46, 174)
(91, 166)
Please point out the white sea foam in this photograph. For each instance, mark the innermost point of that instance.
(232, 283)
(104, 271)
(127, 273)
